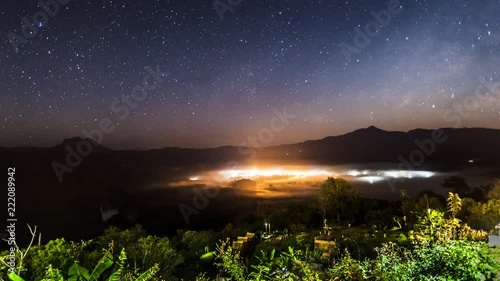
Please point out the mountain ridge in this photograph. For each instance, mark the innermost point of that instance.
(371, 130)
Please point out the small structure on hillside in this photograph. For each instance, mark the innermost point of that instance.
(494, 240)
(245, 243)
(325, 244)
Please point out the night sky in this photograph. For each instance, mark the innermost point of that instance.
(223, 78)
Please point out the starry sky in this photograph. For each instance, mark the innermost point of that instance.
(227, 76)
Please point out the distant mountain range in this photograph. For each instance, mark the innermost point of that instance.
(375, 145)
(366, 145)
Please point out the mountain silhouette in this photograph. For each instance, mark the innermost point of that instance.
(369, 144)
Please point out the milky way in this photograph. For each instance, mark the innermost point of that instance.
(227, 73)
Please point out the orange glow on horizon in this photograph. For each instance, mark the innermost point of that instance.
(275, 172)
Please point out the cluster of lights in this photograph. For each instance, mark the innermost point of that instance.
(374, 176)
(258, 173)
(372, 179)
(364, 175)
(354, 173)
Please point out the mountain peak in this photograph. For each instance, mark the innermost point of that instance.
(75, 141)
(371, 129)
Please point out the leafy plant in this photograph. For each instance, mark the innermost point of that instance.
(78, 273)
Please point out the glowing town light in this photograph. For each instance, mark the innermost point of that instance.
(254, 173)
(353, 173)
(408, 174)
(392, 174)
(258, 173)
(371, 179)
(195, 178)
(422, 174)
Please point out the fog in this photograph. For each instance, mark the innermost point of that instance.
(299, 181)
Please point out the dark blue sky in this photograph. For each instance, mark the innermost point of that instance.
(226, 77)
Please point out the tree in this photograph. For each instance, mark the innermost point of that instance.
(193, 244)
(467, 205)
(266, 213)
(324, 199)
(338, 198)
(494, 193)
(457, 185)
(485, 215)
(429, 200)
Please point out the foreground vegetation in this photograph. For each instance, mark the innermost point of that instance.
(422, 238)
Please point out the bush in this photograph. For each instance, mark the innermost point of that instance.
(455, 260)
